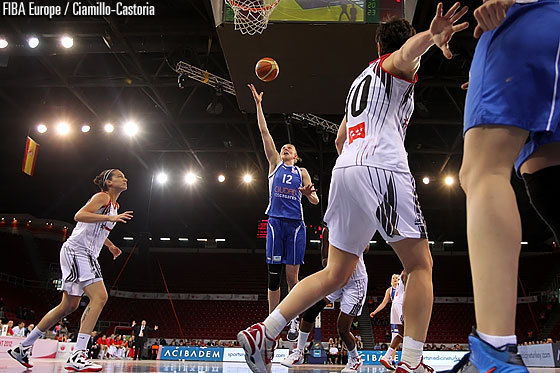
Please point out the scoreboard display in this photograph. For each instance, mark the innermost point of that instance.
(332, 11)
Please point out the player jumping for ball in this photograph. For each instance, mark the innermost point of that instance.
(285, 236)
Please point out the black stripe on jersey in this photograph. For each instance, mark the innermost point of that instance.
(419, 220)
(387, 81)
(72, 276)
(386, 212)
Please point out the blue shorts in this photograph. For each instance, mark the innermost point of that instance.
(514, 77)
(285, 241)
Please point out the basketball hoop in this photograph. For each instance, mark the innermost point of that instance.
(251, 16)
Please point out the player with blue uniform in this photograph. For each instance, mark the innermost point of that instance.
(285, 239)
(512, 118)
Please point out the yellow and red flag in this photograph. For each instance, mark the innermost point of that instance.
(30, 156)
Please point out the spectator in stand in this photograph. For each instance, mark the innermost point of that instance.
(131, 342)
(10, 330)
(173, 342)
(29, 328)
(359, 342)
(333, 352)
(19, 330)
(57, 328)
(93, 347)
(140, 334)
(102, 342)
(154, 350)
(162, 342)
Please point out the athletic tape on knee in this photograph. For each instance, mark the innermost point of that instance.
(312, 312)
(274, 276)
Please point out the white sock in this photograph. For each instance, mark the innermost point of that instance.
(82, 342)
(389, 353)
(32, 337)
(302, 340)
(412, 352)
(497, 341)
(354, 353)
(274, 324)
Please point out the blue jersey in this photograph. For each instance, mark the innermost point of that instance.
(393, 292)
(285, 197)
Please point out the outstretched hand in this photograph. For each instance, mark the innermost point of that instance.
(121, 218)
(443, 27)
(115, 251)
(307, 190)
(256, 96)
(490, 15)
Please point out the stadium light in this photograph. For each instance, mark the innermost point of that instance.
(62, 128)
(247, 178)
(33, 42)
(315, 241)
(221, 178)
(448, 242)
(165, 239)
(373, 242)
(130, 128)
(161, 178)
(41, 128)
(220, 240)
(67, 41)
(108, 127)
(128, 238)
(426, 180)
(190, 178)
(202, 239)
(183, 239)
(85, 128)
(524, 243)
(449, 180)
(3, 42)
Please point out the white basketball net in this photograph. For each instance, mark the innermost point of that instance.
(251, 16)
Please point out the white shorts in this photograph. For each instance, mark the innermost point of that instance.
(79, 269)
(364, 200)
(352, 296)
(396, 314)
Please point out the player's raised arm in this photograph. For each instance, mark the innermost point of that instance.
(269, 146)
(383, 303)
(405, 62)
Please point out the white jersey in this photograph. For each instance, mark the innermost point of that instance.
(399, 293)
(90, 237)
(360, 271)
(378, 108)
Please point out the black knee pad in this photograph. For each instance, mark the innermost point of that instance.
(274, 276)
(312, 312)
(542, 187)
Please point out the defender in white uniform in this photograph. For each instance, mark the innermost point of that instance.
(80, 270)
(372, 190)
(352, 298)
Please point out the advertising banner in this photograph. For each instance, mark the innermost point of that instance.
(238, 355)
(43, 348)
(537, 355)
(65, 349)
(191, 353)
(443, 358)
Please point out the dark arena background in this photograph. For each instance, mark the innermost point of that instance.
(164, 98)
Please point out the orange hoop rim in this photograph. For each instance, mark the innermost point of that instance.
(234, 4)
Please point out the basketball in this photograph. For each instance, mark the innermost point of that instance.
(267, 69)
